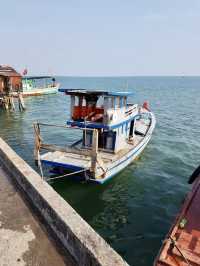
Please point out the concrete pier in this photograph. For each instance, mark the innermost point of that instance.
(23, 241)
(71, 232)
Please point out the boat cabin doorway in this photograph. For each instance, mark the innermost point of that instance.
(131, 132)
(106, 140)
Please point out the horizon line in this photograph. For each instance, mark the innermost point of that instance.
(121, 76)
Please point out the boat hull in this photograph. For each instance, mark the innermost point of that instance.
(112, 169)
(182, 244)
(129, 157)
(38, 91)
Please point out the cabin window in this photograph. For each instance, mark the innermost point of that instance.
(100, 102)
(121, 102)
(87, 138)
(125, 101)
(84, 102)
(109, 102)
(126, 127)
(117, 102)
(110, 140)
(106, 102)
(80, 101)
(131, 131)
(112, 102)
(107, 140)
(76, 101)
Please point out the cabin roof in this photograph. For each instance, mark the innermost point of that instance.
(37, 77)
(8, 71)
(83, 92)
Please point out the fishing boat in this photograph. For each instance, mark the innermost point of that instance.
(38, 85)
(181, 246)
(114, 133)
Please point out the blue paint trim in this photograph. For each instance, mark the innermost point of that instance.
(95, 125)
(120, 93)
(124, 122)
(67, 166)
(88, 125)
(100, 92)
(71, 90)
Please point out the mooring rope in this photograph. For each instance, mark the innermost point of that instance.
(57, 177)
(40, 165)
(69, 174)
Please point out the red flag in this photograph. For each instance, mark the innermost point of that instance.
(25, 72)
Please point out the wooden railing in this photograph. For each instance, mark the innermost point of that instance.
(40, 145)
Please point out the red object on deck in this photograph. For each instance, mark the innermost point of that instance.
(146, 106)
(182, 245)
(80, 112)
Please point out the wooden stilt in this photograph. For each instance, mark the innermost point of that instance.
(21, 102)
(12, 105)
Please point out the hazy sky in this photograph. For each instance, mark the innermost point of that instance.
(97, 38)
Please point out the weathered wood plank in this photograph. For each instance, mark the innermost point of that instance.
(52, 147)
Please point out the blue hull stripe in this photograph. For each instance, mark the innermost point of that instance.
(95, 125)
(67, 166)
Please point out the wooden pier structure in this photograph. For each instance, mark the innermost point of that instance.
(10, 83)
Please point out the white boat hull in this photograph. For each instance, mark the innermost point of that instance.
(38, 91)
(114, 166)
(129, 157)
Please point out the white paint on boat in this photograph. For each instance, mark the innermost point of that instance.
(38, 91)
(113, 163)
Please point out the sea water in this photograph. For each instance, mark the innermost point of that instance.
(135, 209)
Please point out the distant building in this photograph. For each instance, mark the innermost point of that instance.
(10, 80)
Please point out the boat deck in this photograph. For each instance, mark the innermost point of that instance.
(69, 159)
(77, 157)
(187, 237)
(78, 161)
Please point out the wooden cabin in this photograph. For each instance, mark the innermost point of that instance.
(10, 80)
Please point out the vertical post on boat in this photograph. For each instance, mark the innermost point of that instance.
(94, 151)
(37, 142)
(72, 104)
